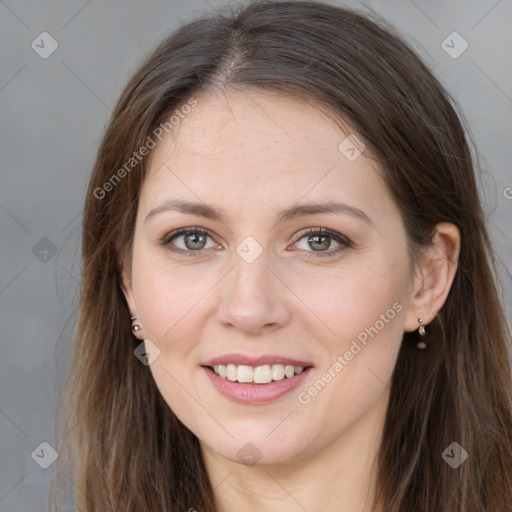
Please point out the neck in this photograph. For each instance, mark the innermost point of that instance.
(339, 477)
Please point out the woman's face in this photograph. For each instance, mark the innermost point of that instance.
(260, 288)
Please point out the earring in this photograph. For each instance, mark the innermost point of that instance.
(135, 326)
(422, 332)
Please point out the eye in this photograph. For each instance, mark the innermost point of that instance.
(194, 241)
(320, 239)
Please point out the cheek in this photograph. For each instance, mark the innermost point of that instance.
(167, 293)
(359, 349)
(360, 295)
(361, 309)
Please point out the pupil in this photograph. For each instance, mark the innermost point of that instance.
(195, 238)
(315, 239)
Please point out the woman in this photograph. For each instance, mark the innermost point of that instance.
(288, 299)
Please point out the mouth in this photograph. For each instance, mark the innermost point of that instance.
(258, 375)
(257, 385)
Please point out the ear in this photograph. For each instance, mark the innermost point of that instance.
(434, 276)
(126, 286)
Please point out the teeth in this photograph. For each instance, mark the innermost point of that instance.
(277, 371)
(289, 371)
(232, 371)
(244, 374)
(257, 375)
(262, 374)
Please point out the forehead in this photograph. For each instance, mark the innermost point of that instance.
(234, 122)
(267, 147)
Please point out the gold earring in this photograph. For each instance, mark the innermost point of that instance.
(422, 332)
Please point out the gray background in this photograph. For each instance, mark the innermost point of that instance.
(53, 114)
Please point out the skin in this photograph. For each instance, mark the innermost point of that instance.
(253, 154)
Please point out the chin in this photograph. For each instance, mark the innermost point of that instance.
(257, 450)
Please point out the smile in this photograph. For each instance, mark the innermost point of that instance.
(252, 392)
(256, 374)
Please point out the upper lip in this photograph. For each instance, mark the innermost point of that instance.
(255, 360)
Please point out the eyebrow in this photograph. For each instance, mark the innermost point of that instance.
(293, 212)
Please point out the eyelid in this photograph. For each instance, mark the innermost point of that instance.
(166, 239)
(325, 231)
(343, 241)
(183, 231)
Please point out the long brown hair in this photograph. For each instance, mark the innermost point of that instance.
(126, 448)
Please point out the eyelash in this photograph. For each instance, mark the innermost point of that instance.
(344, 242)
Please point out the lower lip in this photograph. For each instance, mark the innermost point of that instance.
(256, 393)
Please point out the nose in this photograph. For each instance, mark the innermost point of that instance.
(253, 298)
